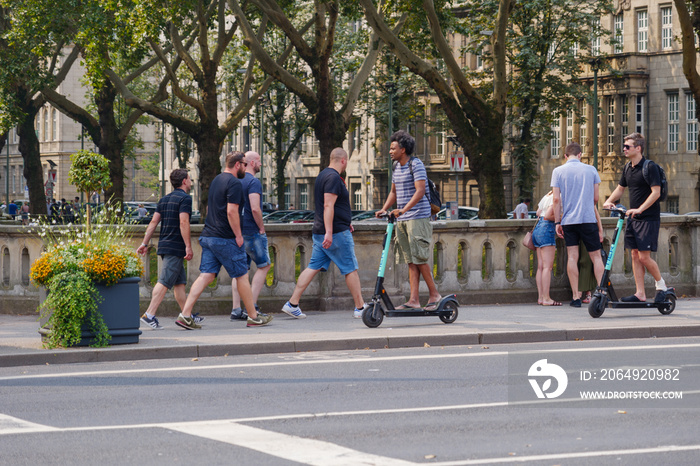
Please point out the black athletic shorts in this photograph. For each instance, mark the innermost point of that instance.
(642, 235)
(586, 232)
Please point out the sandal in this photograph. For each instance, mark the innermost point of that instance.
(553, 303)
(406, 307)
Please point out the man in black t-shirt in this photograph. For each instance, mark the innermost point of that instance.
(222, 242)
(173, 214)
(643, 217)
(332, 235)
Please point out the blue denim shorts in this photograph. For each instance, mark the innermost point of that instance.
(256, 249)
(217, 252)
(544, 234)
(341, 252)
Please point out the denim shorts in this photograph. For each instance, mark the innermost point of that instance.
(172, 271)
(544, 234)
(256, 249)
(341, 252)
(217, 252)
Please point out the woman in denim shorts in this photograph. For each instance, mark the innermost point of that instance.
(544, 240)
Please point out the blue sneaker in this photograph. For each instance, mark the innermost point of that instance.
(152, 322)
(239, 314)
(293, 311)
(197, 318)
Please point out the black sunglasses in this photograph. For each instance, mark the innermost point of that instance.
(626, 146)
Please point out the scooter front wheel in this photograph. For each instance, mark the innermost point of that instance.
(373, 316)
(453, 308)
(597, 306)
(667, 310)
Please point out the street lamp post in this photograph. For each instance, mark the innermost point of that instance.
(391, 88)
(595, 66)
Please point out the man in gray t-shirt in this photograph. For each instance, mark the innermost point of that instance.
(575, 186)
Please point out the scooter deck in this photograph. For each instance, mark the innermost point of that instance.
(417, 313)
(638, 305)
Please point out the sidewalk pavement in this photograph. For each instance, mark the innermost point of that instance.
(20, 344)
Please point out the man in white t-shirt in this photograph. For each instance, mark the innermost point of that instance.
(522, 209)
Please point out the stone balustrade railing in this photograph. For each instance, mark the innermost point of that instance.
(481, 261)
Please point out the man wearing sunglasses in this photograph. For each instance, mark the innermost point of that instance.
(644, 219)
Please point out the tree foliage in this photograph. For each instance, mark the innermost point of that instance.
(476, 118)
(548, 42)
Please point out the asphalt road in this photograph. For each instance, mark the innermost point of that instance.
(432, 405)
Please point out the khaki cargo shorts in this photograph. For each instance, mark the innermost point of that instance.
(413, 239)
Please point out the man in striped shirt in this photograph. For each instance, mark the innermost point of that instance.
(173, 213)
(414, 233)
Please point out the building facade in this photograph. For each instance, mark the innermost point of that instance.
(641, 88)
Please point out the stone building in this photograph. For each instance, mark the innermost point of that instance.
(641, 87)
(59, 137)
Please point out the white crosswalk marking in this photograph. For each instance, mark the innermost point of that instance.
(289, 447)
(12, 425)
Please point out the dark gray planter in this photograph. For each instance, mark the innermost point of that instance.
(119, 309)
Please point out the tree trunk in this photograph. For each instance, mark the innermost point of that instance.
(209, 149)
(109, 144)
(34, 174)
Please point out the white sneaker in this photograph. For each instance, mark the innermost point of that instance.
(357, 313)
(293, 311)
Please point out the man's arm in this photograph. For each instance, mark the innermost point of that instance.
(235, 221)
(254, 202)
(614, 197)
(149, 233)
(328, 213)
(185, 233)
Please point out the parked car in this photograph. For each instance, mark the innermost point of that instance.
(362, 215)
(530, 214)
(465, 213)
(196, 217)
(276, 215)
(297, 216)
(692, 214)
(308, 218)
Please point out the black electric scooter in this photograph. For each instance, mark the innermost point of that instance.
(605, 293)
(381, 306)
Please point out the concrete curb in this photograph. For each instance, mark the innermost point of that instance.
(87, 355)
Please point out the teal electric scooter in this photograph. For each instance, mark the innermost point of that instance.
(605, 294)
(447, 310)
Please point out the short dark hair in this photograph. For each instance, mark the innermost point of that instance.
(177, 176)
(573, 148)
(637, 139)
(233, 158)
(405, 141)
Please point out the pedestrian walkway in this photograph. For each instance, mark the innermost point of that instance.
(20, 343)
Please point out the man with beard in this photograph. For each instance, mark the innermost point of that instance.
(254, 235)
(222, 242)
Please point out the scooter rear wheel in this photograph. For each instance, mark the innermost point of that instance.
(596, 307)
(373, 316)
(450, 306)
(671, 307)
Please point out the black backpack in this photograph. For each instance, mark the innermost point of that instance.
(645, 174)
(432, 193)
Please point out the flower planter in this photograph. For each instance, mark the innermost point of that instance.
(119, 309)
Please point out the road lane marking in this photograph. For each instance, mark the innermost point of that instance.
(13, 425)
(289, 447)
(353, 359)
(573, 455)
